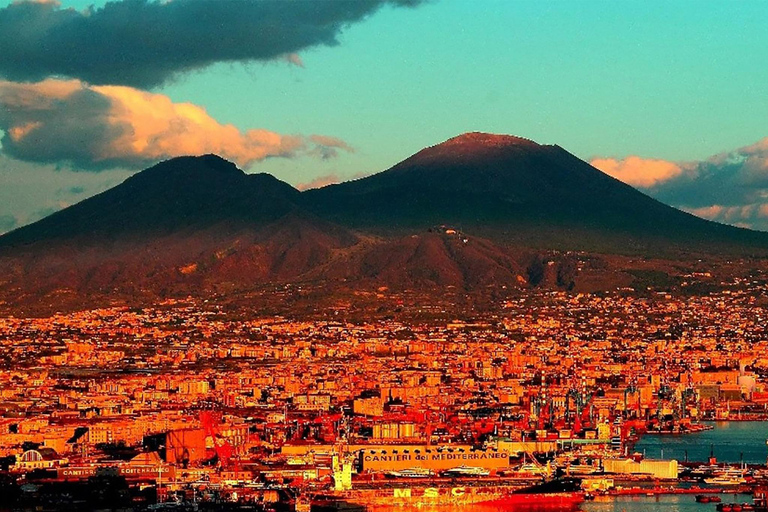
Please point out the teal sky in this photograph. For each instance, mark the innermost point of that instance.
(679, 81)
(674, 80)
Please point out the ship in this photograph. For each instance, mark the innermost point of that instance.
(729, 476)
(467, 471)
(412, 473)
(564, 493)
(726, 480)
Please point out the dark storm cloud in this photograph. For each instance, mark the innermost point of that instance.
(327, 147)
(57, 122)
(707, 184)
(145, 43)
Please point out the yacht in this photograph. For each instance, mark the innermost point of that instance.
(468, 471)
(726, 480)
(412, 473)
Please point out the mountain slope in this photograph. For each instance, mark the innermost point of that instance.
(178, 194)
(429, 259)
(187, 225)
(515, 190)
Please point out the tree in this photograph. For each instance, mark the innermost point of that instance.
(536, 270)
(567, 271)
(7, 462)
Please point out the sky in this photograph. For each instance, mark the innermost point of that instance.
(669, 97)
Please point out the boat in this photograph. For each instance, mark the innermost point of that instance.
(735, 507)
(467, 471)
(726, 480)
(412, 473)
(560, 493)
(706, 470)
(582, 469)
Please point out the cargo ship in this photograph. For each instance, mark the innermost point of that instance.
(562, 494)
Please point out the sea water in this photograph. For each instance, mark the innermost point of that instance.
(662, 503)
(729, 441)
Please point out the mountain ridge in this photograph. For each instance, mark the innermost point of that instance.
(468, 213)
(479, 181)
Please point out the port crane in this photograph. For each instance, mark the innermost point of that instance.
(631, 389)
(210, 421)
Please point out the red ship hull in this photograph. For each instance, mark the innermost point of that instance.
(477, 496)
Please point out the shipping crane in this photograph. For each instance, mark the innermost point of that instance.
(687, 393)
(211, 421)
(631, 389)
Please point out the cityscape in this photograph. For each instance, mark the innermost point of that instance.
(192, 402)
(383, 255)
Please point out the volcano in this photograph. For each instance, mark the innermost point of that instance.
(465, 213)
(515, 191)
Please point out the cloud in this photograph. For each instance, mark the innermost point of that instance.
(55, 3)
(328, 179)
(327, 147)
(294, 58)
(100, 127)
(638, 172)
(146, 43)
(319, 182)
(753, 216)
(729, 187)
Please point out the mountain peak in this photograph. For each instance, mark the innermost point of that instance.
(209, 164)
(473, 146)
(482, 139)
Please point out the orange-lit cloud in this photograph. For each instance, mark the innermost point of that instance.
(328, 179)
(157, 128)
(97, 127)
(319, 182)
(729, 187)
(711, 212)
(54, 3)
(751, 216)
(295, 59)
(637, 171)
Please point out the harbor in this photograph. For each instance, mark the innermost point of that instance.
(729, 441)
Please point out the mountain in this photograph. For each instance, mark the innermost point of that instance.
(190, 224)
(185, 193)
(469, 213)
(514, 190)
